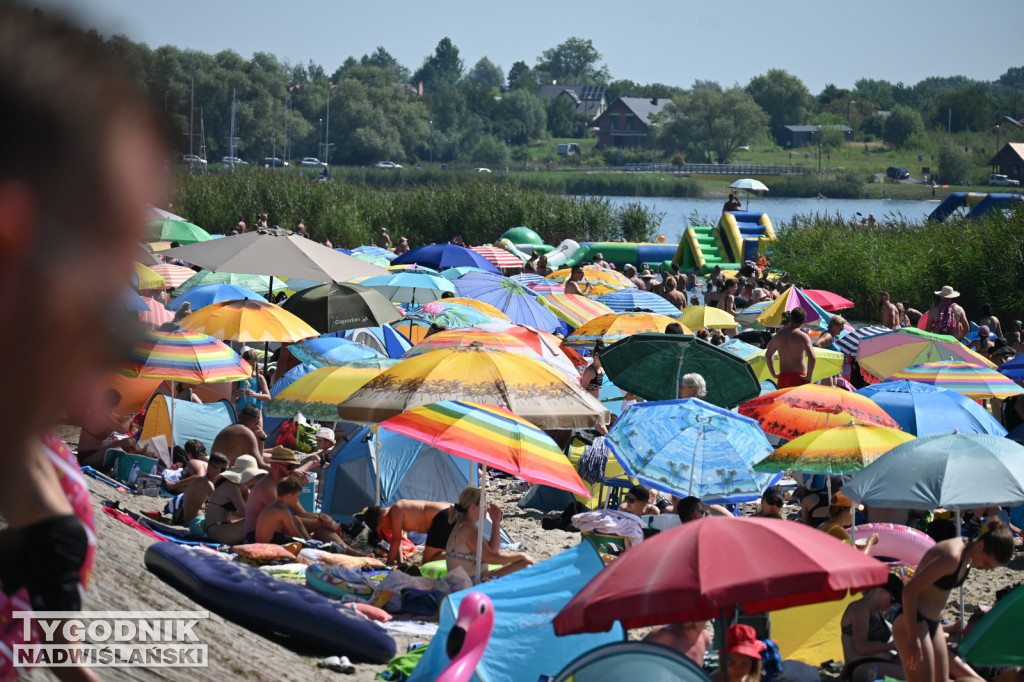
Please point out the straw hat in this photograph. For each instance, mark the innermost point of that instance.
(244, 470)
(947, 292)
(283, 455)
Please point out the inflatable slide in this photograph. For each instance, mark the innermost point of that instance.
(978, 204)
(739, 236)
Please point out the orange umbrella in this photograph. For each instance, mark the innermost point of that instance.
(791, 412)
(617, 326)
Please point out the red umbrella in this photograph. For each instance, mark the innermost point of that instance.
(827, 300)
(705, 569)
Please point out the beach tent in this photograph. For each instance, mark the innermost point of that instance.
(410, 470)
(523, 645)
(545, 498)
(191, 420)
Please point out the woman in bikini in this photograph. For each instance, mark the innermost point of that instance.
(867, 636)
(919, 637)
(225, 508)
(461, 548)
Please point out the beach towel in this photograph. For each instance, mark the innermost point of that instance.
(611, 522)
(593, 461)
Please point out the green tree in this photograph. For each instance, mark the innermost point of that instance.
(490, 150)
(486, 74)
(831, 93)
(383, 59)
(782, 96)
(701, 84)
(710, 126)
(574, 62)
(520, 117)
(1013, 77)
(878, 91)
(520, 76)
(969, 108)
(953, 165)
(900, 125)
(444, 67)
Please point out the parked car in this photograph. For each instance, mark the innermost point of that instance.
(192, 158)
(897, 173)
(482, 170)
(274, 162)
(387, 165)
(997, 180)
(233, 161)
(312, 162)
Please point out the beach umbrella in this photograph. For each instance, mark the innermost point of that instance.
(545, 343)
(409, 286)
(510, 297)
(379, 261)
(248, 321)
(652, 365)
(827, 363)
(690, 447)
(316, 394)
(791, 412)
(996, 638)
(448, 315)
(495, 437)
(276, 253)
(384, 339)
(499, 257)
(614, 327)
(485, 308)
(750, 314)
(828, 301)
(970, 380)
(596, 281)
(849, 342)
(537, 284)
(443, 256)
(626, 300)
(144, 278)
(174, 275)
(130, 300)
(710, 567)
(574, 309)
(749, 185)
(411, 266)
(886, 354)
(290, 377)
(530, 388)
(924, 409)
(154, 213)
(791, 298)
(844, 449)
(704, 317)
(455, 273)
(259, 284)
(330, 350)
(467, 337)
(338, 306)
(155, 313)
(375, 251)
(176, 230)
(203, 295)
(1014, 369)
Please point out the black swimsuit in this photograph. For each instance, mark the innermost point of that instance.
(947, 582)
(878, 631)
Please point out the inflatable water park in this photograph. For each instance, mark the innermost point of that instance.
(976, 203)
(738, 237)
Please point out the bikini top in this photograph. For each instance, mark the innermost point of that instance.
(948, 582)
(878, 629)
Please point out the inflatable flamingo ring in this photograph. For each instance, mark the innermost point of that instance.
(468, 638)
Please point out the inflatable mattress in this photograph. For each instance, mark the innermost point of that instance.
(256, 601)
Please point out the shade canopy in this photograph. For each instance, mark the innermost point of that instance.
(336, 306)
(184, 356)
(248, 321)
(790, 412)
(443, 256)
(844, 449)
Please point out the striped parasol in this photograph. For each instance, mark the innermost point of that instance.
(972, 381)
(625, 300)
(485, 308)
(174, 275)
(574, 309)
(317, 393)
(155, 313)
(849, 342)
(469, 337)
(844, 449)
(539, 285)
(884, 355)
(509, 296)
(500, 257)
(791, 412)
(184, 356)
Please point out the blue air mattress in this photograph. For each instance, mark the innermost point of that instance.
(264, 604)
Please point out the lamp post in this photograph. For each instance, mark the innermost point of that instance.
(997, 138)
(819, 158)
(320, 142)
(431, 142)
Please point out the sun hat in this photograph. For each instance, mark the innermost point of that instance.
(283, 455)
(742, 639)
(646, 274)
(947, 292)
(638, 492)
(598, 256)
(325, 433)
(244, 470)
(758, 294)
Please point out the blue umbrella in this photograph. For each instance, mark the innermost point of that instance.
(1014, 369)
(290, 377)
(442, 256)
(375, 251)
(204, 295)
(628, 299)
(455, 273)
(750, 314)
(924, 409)
(690, 447)
(322, 351)
(132, 301)
(508, 296)
(409, 286)
(383, 339)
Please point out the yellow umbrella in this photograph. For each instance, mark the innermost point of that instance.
(318, 393)
(148, 279)
(574, 309)
(617, 326)
(844, 449)
(248, 321)
(596, 281)
(703, 317)
(485, 308)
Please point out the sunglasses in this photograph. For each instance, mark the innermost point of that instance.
(773, 503)
(289, 467)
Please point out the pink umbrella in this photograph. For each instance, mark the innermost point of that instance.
(156, 314)
(827, 300)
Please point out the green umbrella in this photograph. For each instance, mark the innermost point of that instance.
(338, 306)
(181, 231)
(996, 638)
(257, 283)
(651, 365)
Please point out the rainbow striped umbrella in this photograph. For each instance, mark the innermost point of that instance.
(537, 284)
(972, 381)
(155, 313)
(248, 321)
(185, 356)
(616, 326)
(485, 308)
(574, 309)
(886, 354)
(174, 275)
(492, 435)
(317, 393)
(844, 449)
(794, 297)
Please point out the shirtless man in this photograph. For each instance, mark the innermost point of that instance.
(416, 516)
(201, 488)
(630, 272)
(195, 453)
(672, 293)
(836, 325)
(689, 639)
(572, 284)
(796, 354)
(542, 268)
(252, 418)
(277, 522)
(890, 316)
(236, 440)
(946, 316)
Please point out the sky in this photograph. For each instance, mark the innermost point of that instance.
(652, 41)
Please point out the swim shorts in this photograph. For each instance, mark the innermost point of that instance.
(789, 379)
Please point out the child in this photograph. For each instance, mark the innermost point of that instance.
(276, 523)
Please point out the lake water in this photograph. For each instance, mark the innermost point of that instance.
(680, 213)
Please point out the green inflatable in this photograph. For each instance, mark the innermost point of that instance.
(523, 235)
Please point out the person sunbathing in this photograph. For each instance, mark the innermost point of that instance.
(461, 547)
(102, 429)
(415, 516)
(225, 509)
(868, 648)
(199, 491)
(277, 524)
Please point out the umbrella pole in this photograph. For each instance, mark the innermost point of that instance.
(376, 462)
(171, 439)
(723, 658)
(958, 531)
(480, 530)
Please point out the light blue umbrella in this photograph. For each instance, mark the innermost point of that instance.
(410, 286)
(508, 296)
(924, 409)
(323, 352)
(383, 339)
(628, 299)
(455, 273)
(289, 377)
(205, 294)
(375, 251)
(690, 447)
(750, 314)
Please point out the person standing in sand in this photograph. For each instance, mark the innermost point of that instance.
(796, 353)
(890, 315)
(946, 317)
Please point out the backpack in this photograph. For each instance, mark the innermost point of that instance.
(945, 319)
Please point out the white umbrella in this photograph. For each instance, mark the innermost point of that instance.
(749, 184)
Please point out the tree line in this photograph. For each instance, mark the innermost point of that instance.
(443, 111)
